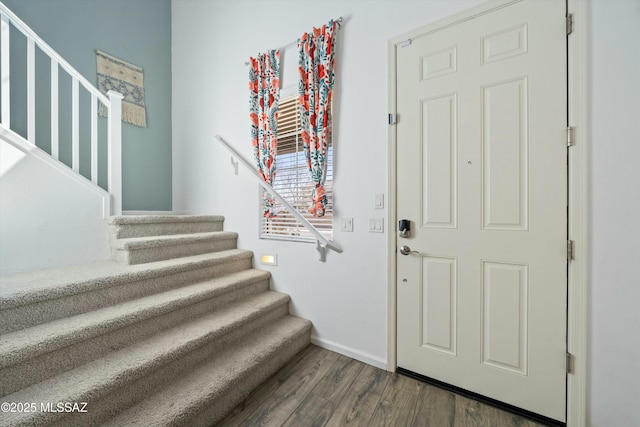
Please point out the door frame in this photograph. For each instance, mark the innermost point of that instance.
(578, 195)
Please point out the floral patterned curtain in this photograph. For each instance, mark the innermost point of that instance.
(264, 94)
(315, 88)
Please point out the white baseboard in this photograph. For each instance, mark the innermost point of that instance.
(367, 358)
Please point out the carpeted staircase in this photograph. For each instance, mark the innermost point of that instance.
(177, 331)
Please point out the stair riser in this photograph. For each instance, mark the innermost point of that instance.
(107, 403)
(13, 319)
(125, 231)
(39, 368)
(217, 408)
(170, 251)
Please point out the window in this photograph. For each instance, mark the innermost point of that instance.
(293, 182)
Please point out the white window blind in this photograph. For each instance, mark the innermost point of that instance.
(293, 182)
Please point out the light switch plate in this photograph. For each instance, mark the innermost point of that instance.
(346, 224)
(378, 202)
(376, 225)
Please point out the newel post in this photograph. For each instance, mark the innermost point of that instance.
(115, 151)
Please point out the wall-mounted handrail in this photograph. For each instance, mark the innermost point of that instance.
(321, 241)
(112, 102)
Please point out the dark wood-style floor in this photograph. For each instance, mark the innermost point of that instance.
(322, 388)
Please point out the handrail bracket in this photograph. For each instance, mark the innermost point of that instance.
(322, 249)
(234, 162)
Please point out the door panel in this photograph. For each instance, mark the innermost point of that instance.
(481, 173)
(439, 162)
(439, 304)
(504, 316)
(504, 161)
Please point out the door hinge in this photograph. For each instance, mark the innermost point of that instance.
(571, 360)
(570, 250)
(393, 119)
(570, 136)
(569, 23)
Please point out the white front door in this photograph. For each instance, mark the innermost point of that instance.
(482, 177)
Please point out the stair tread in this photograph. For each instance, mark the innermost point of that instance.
(179, 332)
(157, 219)
(28, 288)
(210, 379)
(34, 341)
(174, 239)
(108, 373)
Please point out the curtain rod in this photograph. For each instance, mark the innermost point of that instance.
(339, 21)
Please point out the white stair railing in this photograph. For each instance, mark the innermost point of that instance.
(112, 102)
(322, 243)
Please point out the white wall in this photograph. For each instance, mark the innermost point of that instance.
(615, 210)
(346, 297)
(47, 219)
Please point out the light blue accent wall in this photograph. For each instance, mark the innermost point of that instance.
(137, 31)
